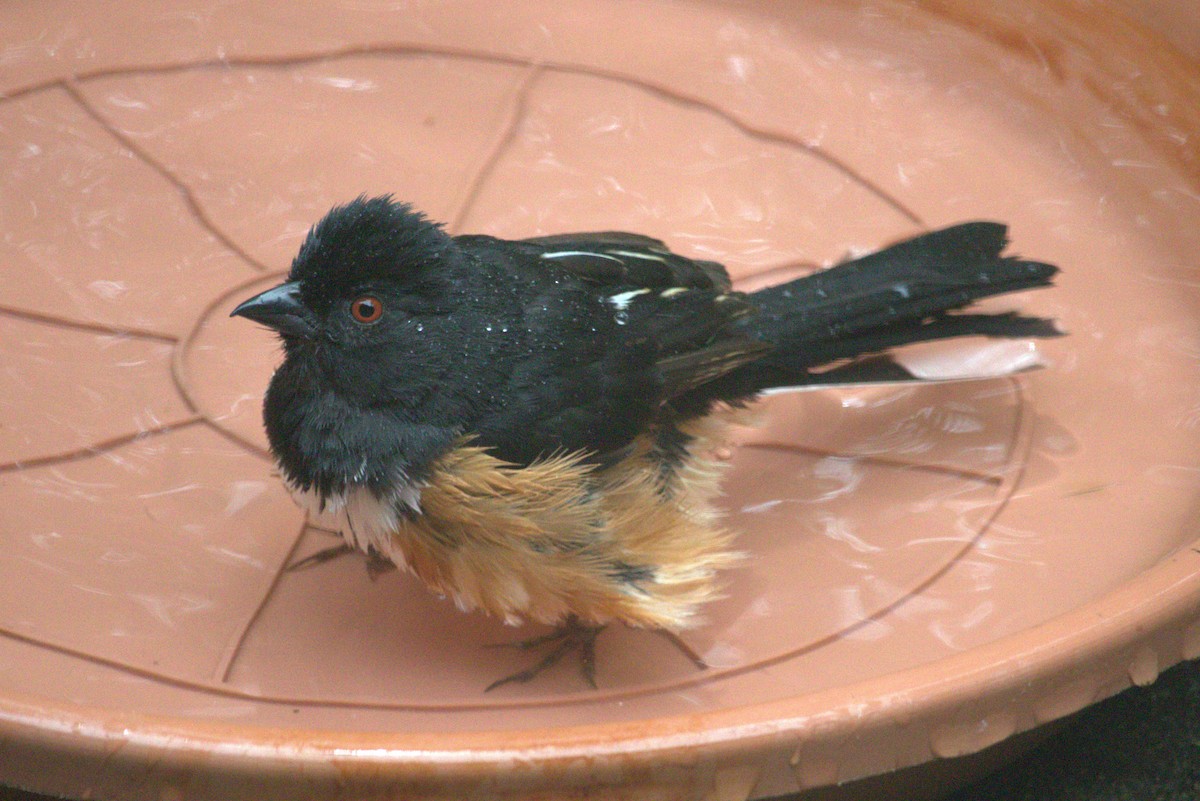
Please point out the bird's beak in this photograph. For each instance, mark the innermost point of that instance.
(280, 308)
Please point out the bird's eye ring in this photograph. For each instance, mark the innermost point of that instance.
(366, 309)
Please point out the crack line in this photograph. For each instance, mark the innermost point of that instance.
(98, 448)
(234, 647)
(185, 192)
(246, 445)
(509, 130)
(963, 473)
(87, 327)
(682, 98)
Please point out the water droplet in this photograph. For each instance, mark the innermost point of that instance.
(621, 317)
(488, 328)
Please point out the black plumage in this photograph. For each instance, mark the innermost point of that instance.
(578, 342)
(523, 423)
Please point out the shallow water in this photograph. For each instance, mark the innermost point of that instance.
(889, 527)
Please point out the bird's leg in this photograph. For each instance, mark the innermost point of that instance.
(322, 556)
(683, 647)
(377, 563)
(572, 635)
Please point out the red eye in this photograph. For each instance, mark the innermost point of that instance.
(366, 309)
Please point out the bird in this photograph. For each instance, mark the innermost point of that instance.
(534, 427)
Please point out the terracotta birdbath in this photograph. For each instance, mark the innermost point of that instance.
(933, 569)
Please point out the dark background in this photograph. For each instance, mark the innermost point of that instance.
(1142, 745)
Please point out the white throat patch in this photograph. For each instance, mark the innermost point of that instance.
(366, 521)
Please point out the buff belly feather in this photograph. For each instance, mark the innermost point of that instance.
(558, 537)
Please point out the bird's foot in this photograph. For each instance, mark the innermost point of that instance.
(575, 635)
(572, 635)
(321, 557)
(683, 647)
(377, 563)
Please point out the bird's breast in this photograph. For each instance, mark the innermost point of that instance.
(366, 517)
(558, 537)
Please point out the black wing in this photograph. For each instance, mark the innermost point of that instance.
(684, 306)
(616, 258)
(619, 326)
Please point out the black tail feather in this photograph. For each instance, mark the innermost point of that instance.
(909, 292)
(942, 326)
(893, 289)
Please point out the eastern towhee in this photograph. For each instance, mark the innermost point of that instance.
(529, 425)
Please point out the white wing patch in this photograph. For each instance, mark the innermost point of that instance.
(567, 254)
(621, 302)
(635, 255)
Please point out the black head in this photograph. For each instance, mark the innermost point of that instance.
(368, 278)
(361, 251)
(369, 331)
(369, 243)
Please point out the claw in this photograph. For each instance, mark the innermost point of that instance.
(377, 563)
(683, 647)
(572, 635)
(321, 557)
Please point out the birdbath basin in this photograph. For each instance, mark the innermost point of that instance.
(934, 570)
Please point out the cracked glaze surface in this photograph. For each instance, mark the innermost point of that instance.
(893, 530)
